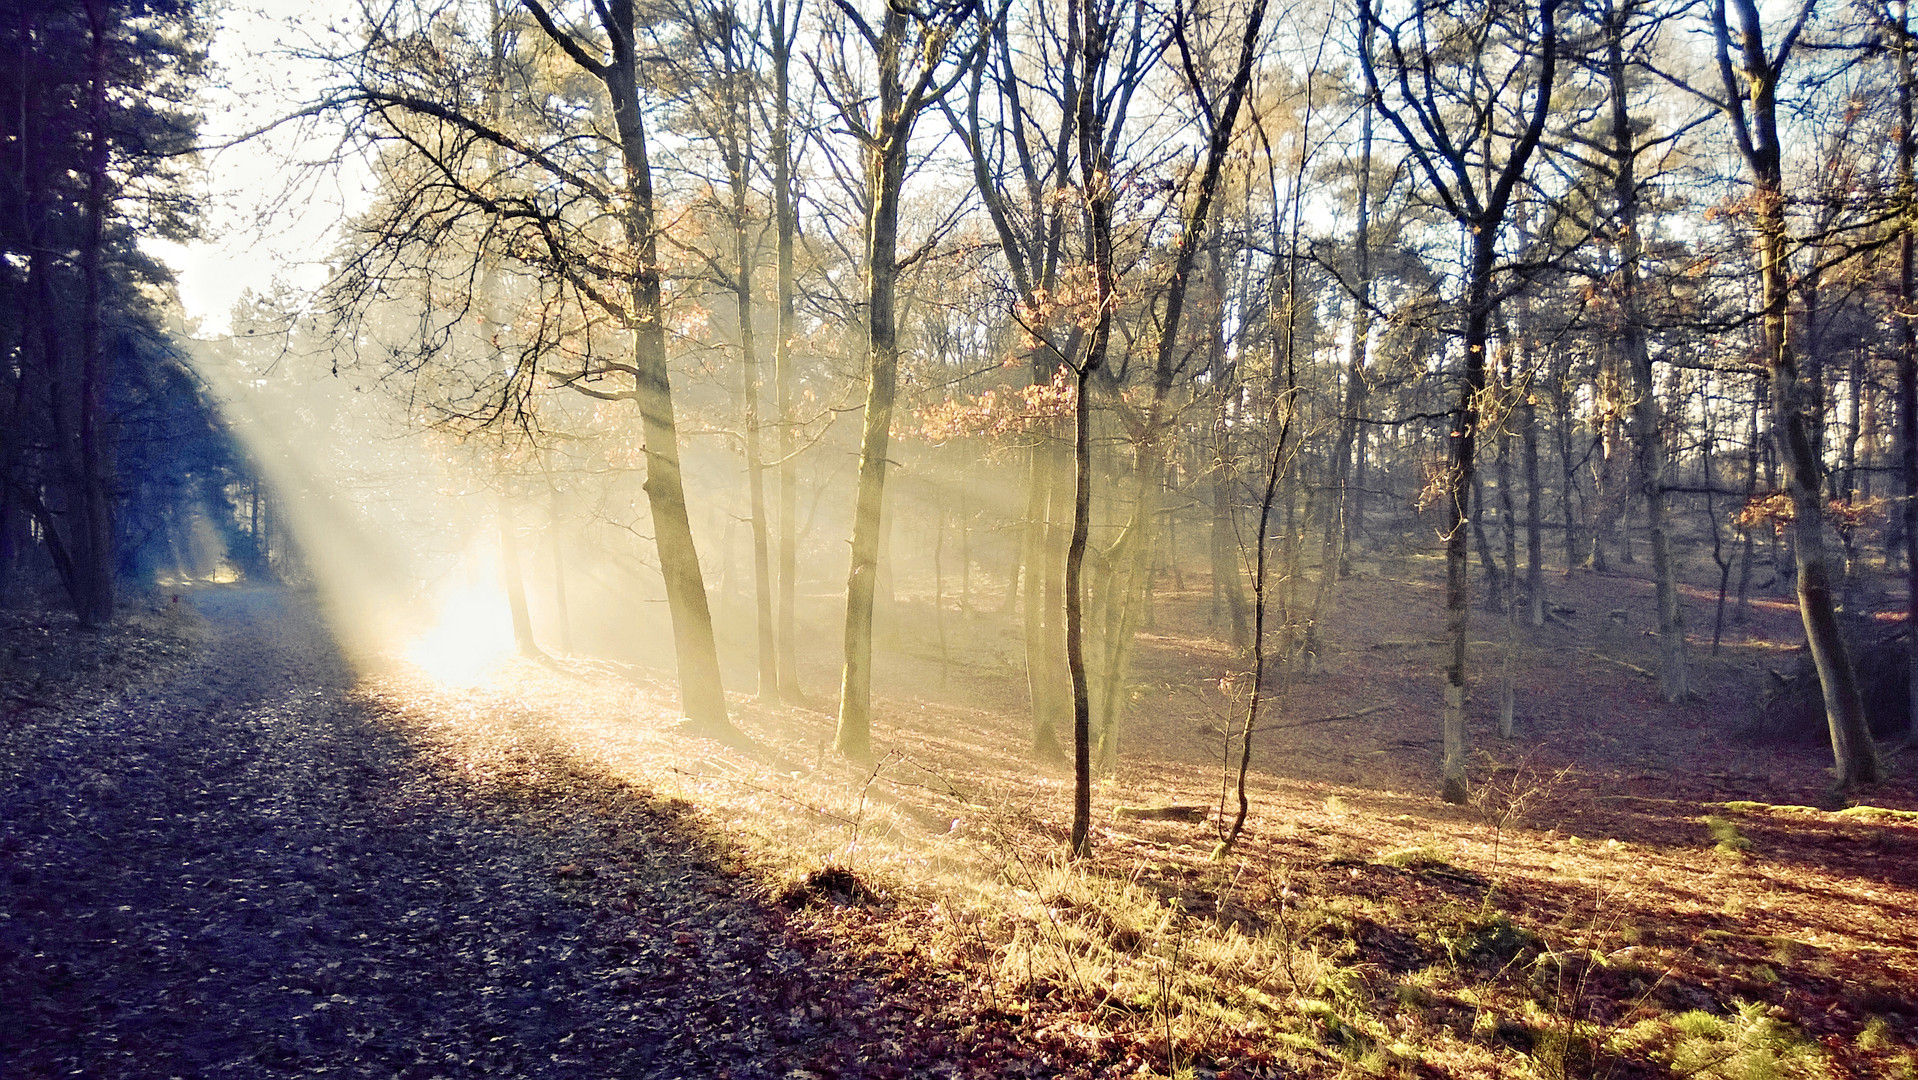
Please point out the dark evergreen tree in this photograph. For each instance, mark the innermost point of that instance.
(96, 108)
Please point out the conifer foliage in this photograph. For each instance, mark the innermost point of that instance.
(98, 121)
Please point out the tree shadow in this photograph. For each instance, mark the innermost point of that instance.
(258, 867)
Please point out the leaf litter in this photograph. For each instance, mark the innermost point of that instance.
(775, 911)
(252, 867)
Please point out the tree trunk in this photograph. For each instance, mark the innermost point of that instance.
(1674, 678)
(1794, 409)
(1276, 468)
(1464, 426)
(1568, 469)
(1482, 543)
(1080, 841)
(1508, 530)
(1355, 535)
(1227, 588)
(92, 539)
(12, 460)
(515, 581)
(1099, 199)
(739, 166)
(1130, 566)
(1907, 317)
(1039, 679)
(786, 224)
(1854, 425)
(886, 171)
(1332, 542)
(1720, 558)
(1748, 547)
(1149, 455)
(1481, 214)
(702, 697)
(1527, 413)
(1015, 570)
(1608, 501)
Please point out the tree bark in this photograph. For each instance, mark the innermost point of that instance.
(1907, 318)
(1674, 677)
(514, 579)
(786, 225)
(854, 738)
(1479, 208)
(1794, 408)
(895, 111)
(702, 697)
(1465, 423)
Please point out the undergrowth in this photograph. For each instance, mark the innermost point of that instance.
(1179, 963)
(1338, 942)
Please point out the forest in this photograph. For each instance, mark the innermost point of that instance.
(1187, 538)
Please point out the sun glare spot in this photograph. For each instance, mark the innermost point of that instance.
(471, 635)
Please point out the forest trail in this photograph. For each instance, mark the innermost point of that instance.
(249, 870)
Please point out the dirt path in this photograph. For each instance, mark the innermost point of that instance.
(250, 871)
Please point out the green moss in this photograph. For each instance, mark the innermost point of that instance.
(1422, 857)
(1728, 843)
(1878, 813)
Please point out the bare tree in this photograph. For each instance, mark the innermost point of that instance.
(1623, 149)
(1472, 165)
(783, 22)
(910, 50)
(1750, 73)
(544, 183)
(718, 98)
(1020, 167)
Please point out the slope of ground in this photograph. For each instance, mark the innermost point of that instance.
(1634, 889)
(250, 868)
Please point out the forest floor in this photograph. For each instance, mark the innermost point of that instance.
(255, 860)
(240, 860)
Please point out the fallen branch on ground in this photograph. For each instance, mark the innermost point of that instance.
(1161, 813)
(1321, 720)
(1621, 663)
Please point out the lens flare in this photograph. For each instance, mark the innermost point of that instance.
(471, 634)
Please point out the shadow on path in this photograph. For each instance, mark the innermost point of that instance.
(247, 871)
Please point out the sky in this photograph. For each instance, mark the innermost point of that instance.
(272, 210)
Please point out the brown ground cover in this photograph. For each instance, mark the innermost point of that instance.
(1635, 888)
